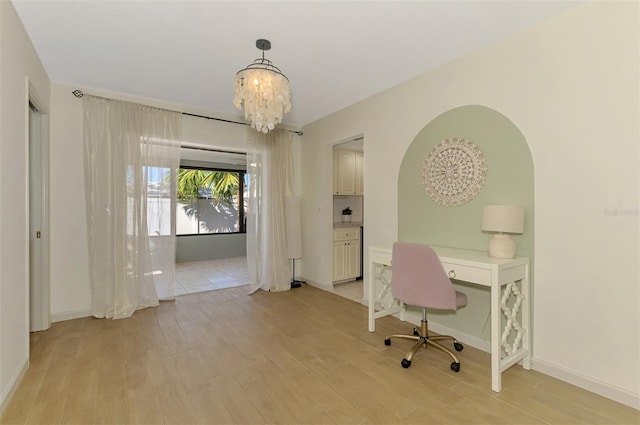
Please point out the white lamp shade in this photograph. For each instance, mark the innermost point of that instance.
(293, 226)
(503, 218)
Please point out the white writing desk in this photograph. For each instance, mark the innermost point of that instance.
(511, 339)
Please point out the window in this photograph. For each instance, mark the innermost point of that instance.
(210, 201)
(158, 200)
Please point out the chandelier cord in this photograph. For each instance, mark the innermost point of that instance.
(80, 93)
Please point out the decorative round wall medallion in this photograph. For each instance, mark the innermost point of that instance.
(454, 172)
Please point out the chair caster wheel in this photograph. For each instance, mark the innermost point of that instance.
(458, 346)
(455, 367)
(416, 332)
(406, 363)
(387, 341)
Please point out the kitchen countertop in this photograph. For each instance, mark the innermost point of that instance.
(339, 224)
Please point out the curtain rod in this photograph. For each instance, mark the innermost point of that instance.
(187, 145)
(80, 93)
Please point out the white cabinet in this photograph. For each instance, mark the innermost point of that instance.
(347, 172)
(346, 253)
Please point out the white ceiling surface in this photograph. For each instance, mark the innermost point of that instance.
(335, 53)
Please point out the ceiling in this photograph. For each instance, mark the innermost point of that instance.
(335, 53)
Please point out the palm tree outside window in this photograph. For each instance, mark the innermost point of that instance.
(210, 201)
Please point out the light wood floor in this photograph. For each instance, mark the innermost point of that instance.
(299, 357)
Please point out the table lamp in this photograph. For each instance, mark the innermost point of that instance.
(502, 219)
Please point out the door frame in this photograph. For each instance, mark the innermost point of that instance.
(39, 300)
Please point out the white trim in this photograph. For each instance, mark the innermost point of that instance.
(6, 395)
(328, 288)
(34, 97)
(70, 315)
(588, 383)
(39, 299)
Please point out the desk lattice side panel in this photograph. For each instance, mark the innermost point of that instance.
(383, 296)
(510, 306)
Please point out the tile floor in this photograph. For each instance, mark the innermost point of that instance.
(351, 290)
(209, 275)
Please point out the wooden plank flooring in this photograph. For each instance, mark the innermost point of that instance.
(299, 357)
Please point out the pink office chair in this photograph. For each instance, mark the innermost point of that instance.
(419, 279)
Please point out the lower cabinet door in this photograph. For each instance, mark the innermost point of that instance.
(352, 259)
(339, 264)
(346, 260)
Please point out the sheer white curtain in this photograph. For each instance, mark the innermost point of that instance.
(131, 154)
(270, 170)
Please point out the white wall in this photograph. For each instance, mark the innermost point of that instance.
(70, 290)
(571, 86)
(19, 60)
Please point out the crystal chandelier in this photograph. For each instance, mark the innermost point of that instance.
(263, 91)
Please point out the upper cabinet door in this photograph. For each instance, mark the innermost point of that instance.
(347, 170)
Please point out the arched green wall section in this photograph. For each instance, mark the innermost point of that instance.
(509, 181)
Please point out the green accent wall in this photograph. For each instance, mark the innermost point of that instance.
(509, 181)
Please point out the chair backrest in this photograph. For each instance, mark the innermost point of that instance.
(418, 277)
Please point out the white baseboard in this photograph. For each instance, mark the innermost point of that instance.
(11, 388)
(588, 383)
(70, 315)
(320, 286)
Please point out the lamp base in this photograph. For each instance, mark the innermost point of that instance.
(295, 283)
(502, 246)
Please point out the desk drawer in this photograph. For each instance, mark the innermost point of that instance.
(468, 273)
(379, 257)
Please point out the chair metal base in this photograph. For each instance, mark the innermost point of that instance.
(423, 340)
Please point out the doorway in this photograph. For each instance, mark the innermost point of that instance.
(348, 218)
(39, 292)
